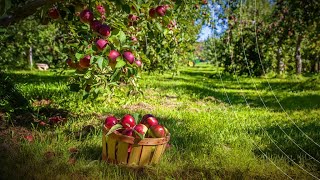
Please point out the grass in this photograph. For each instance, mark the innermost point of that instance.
(222, 127)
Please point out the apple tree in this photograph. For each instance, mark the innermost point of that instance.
(109, 42)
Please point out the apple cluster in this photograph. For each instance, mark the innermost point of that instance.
(103, 31)
(148, 127)
(110, 40)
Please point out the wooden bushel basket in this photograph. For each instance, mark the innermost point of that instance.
(121, 149)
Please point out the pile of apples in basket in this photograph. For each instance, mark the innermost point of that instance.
(148, 127)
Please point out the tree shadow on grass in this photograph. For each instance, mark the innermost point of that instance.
(37, 78)
(293, 102)
(289, 147)
(309, 84)
(18, 106)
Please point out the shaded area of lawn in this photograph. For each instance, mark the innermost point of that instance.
(291, 147)
(259, 92)
(204, 144)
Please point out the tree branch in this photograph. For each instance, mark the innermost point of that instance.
(23, 12)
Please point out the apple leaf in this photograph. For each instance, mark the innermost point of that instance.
(120, 63)
(114, 32)
(85, 95)
(115, 75)
(122, 36)
(136, 117)
(159, 26)
(79, 56)
(126, 8)
(114, 128)
(140, 135)
(101, 63)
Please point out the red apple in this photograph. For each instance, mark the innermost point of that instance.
(105, 30)
(144, 118)
(128, 121)
(141, 129)
(101, 44)
(132, 17)
(101, 9)
(110, 121)
(128, 56)
(113, 55)
(128, 132)
(157, 131)
(150, 121)
(138, 63)
(85, 62)
(86, 16)
(161, 10)
(53, 13)
(95, 25)
(153, 13)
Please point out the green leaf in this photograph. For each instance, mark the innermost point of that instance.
(114, 128)
(85, 95)
(101, 63)
(8, 5)
(136, 7)
(122, 36)
(115, 75)
(79, 56)
(136, 117)
(96, 93)
(126, 8)
(140, 136)
(159, 27)
(115, 32)
(120, 63)
(115, 41)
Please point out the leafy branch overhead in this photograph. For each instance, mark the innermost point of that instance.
(13, 12)
(108, 43)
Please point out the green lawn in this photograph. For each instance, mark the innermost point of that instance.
(223, 127)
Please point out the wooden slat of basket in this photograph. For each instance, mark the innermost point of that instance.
(134, 155)
(164, 147)
(145, 141)
(145, 155)
(111, 149)
(122, 153)
(104, 147)
(157, 154)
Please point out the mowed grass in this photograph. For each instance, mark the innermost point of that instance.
(222, 127)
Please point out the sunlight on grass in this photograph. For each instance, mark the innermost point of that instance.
(211, 138)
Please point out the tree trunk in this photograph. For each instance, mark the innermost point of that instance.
(30, 58)
(280, 64)
(298, 55)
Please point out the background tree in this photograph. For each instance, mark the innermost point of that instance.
(267, 36)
